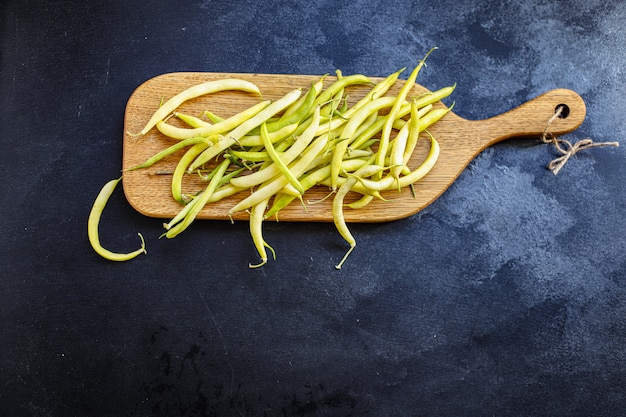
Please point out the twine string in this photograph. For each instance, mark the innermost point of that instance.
(565, 147)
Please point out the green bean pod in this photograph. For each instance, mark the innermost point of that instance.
(172, 149)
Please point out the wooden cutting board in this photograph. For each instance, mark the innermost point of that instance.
(461, 140)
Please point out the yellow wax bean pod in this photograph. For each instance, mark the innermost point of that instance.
(249, 141)
(190, 120)
(424, 168)
(376, 92)
(339, 85)
(396, 157)
(278, 162)
(318, 86)
(212, 129)
(198, 90)
(94, 220)
(180, 169)
(393, 113)
(338, 216)
(226, 190)
(213, 117)
(435, 96)
(413, 137)
(361, 202)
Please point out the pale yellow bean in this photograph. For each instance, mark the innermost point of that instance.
(198, 90)
(393, 113)
(94, 220)
(212, 129)
(338, 215)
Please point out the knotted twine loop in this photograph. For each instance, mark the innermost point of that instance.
(564, 147)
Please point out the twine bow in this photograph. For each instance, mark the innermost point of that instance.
(565, 147)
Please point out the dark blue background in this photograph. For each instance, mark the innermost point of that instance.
(505, 297)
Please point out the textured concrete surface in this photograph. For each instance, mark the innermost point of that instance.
(505, 297)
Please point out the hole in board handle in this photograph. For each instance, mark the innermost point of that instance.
(564, 108)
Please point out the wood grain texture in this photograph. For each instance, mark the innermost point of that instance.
(461, 140)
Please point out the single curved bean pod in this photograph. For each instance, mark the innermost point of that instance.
(339, 85)
(424, 168)
(190, 120)
(181, 168)
(361, 202)
(94, 221)
(213, 117)
(396, 158)
(376, 92)
(198, 90)
(338, 217)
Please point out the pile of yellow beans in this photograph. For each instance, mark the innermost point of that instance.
(279, 149)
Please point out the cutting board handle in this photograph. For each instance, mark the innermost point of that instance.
(531, 118)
